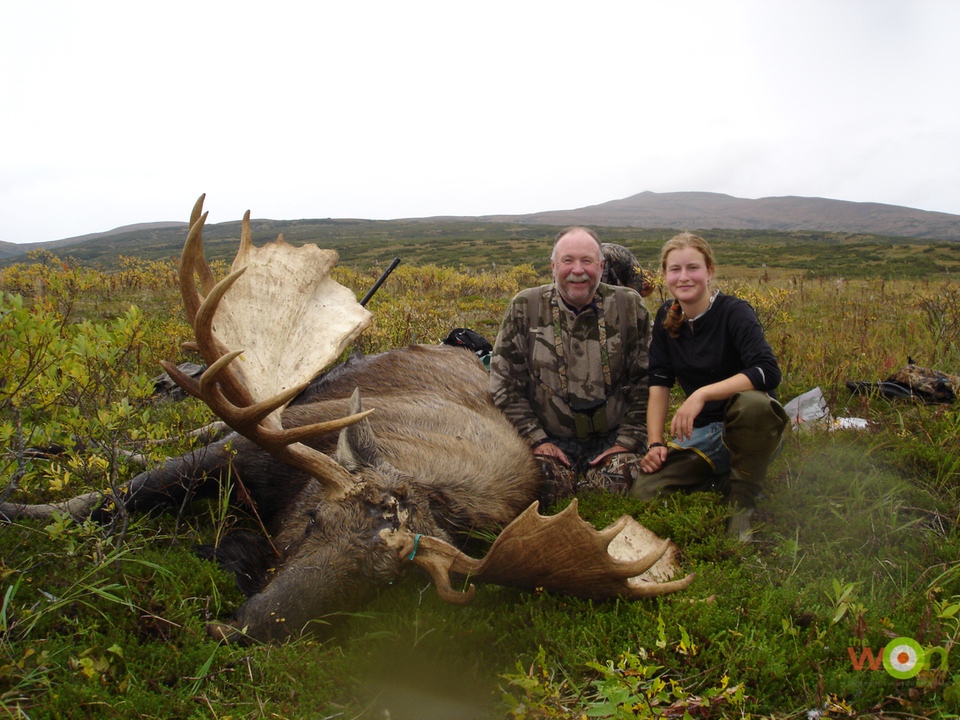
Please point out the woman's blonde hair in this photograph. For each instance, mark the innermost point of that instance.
(674, 318)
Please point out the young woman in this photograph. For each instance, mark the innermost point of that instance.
(729, 427)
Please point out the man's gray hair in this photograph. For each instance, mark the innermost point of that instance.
(567, 230)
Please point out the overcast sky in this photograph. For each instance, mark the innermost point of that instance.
(113, 113)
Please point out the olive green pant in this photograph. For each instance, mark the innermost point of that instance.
(753, 426)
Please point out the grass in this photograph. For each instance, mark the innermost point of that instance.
(857, 545)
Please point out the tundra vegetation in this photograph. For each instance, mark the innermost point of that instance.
(858, 540)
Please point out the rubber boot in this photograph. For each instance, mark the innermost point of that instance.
(684, 469)
(753, 429)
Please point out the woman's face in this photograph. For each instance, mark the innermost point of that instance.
(688, 278)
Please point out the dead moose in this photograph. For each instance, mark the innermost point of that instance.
(349, 498)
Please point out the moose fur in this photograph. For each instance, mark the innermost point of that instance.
(435, 455)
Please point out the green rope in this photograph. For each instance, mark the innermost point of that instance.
(416, 543)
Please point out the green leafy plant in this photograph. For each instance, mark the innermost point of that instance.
(857, 535)
(632, 686)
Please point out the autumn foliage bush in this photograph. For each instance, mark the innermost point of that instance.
(858, 532)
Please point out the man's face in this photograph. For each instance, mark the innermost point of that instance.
(577, 265)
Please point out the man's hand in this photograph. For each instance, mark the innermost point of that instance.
(601, 458)
(548, 449)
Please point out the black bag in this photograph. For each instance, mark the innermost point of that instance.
(469, 339)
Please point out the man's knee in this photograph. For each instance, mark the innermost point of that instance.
(615, 475)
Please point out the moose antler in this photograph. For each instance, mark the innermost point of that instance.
(280, 296)
(561, 553)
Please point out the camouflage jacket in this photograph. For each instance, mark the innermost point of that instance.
(538, 390)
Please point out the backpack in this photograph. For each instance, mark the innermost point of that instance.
(472, 341)
(931, 386)
(913, 381)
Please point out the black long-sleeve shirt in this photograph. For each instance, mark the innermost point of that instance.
(726, 340)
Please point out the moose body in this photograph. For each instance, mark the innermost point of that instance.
(435, 455)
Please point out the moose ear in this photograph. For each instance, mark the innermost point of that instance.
(357, 447)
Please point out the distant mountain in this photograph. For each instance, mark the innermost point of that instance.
(647, 210)
(704, 211)
(9, 250)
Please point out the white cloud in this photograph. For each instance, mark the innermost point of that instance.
(118, 112)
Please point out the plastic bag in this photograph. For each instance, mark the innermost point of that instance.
(811, 407)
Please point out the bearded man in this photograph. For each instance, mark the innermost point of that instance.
(569, 370)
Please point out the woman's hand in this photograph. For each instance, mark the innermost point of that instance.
(681, 427)
(654, 459)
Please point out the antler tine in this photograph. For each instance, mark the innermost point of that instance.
(245, 417)
(200, 266)
(437, 558)
(249, 420)
(632, 568)
(197, 209)
(192, 260)
(610, 531)
(656, 589)
(305, 432)
(189, 384)
(212, 349)
(188, 261)
(246, 239)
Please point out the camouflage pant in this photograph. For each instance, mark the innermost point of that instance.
(615, 475)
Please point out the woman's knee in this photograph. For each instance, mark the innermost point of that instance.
(684, 469)
(754, 408)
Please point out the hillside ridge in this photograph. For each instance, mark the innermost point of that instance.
(698, 211)
(790, 213)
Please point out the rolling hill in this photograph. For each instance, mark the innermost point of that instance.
(704, 211)
(376, 240)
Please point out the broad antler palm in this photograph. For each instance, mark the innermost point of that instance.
(280, 298)
(561, 553)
